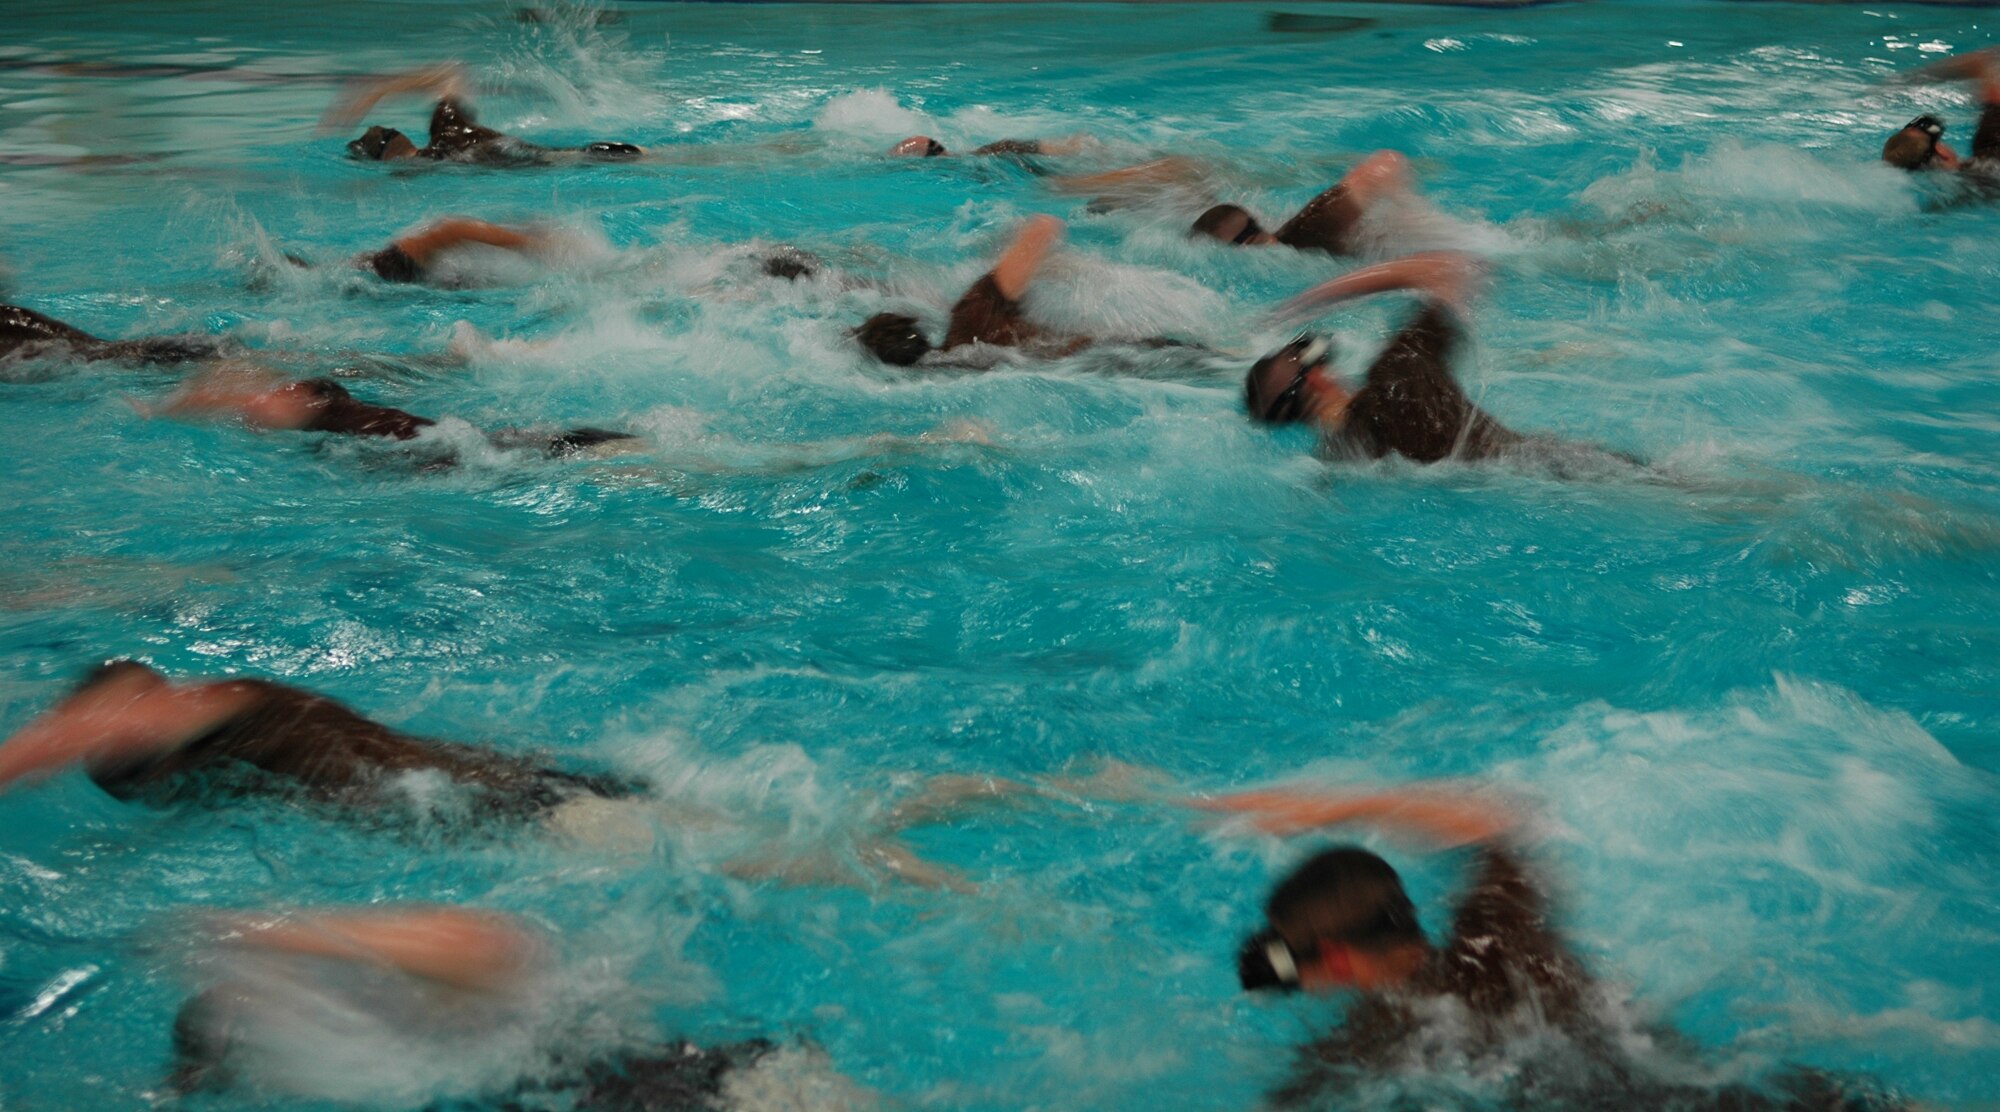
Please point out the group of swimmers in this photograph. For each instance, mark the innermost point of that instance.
(1339, 922)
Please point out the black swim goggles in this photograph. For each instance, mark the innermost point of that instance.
(1267, 961)
(1251, 230)
(1288, 405)
(933, 148)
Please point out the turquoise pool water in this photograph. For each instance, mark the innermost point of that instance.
(1754, 709)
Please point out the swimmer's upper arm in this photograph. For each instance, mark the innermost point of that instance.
(1024, 256)
(453, 231)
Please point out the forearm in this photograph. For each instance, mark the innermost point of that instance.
(1024, 256)
(440, 81)
(468, 949)
(446, 234)
(1442, 275)
(1443, 817)
(1164, 171)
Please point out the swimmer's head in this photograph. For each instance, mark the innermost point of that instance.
(791, 264)
(1916, 147)
(1340, 920)
(894, 338)
(1284, 386)
(380, 143)
(1231, 224)
(919, 146)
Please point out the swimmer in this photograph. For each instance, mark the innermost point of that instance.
(1328, 222)
(142, 737)
(264, 401)
(1502, 974)
(989, 312)
(923, 146)
(1409, 404)
(455, 136)
(26, 334)
(411, 258)
(1919, 146)
(317, 1003)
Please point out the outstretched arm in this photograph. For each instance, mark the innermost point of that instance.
(1443, 816)
(479, 950)
(441, 81)
(257, 396)
(1024, 256)
(1159, 172)
(453, 231)
(1445, 276)
(126, 716)
(1981, 67)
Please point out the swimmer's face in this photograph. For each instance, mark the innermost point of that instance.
(918, 146)
(1242, 230)
(1918, 146)
(381, 144)
(1286, 385)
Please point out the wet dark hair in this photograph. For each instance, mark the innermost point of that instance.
(1346, 894)
(1208, 222)
(894, 338)
(1913, 147)
(393, 264)
(374, 141)
(791, 264)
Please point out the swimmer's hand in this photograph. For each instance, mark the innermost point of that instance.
(1447, 277)
(122, 718)
(482, 951)
(441, 81)
(1445, 817)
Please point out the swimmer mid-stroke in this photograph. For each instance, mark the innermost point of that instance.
(455, 136)
(1330, 222)
(1409, 404)
(262, 400)
(144, 738)
(1501, 975)
(1919, 145)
